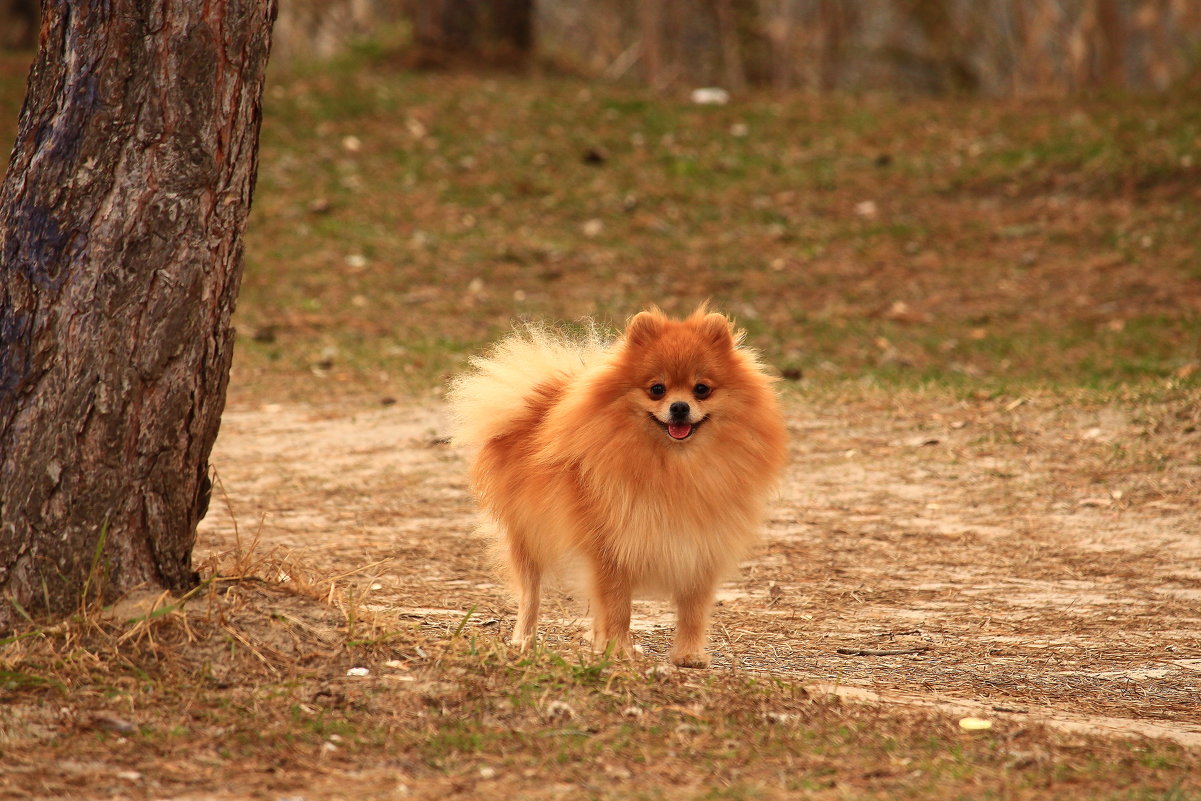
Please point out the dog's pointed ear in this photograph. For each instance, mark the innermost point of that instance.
(644, 327)
(718, 329)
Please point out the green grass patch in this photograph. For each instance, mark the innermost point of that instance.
(403, 220)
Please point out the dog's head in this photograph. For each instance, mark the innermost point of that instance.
(680, 373)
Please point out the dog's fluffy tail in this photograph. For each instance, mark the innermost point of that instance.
(496, 390)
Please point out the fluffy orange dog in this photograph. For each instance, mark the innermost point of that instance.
(647, 461)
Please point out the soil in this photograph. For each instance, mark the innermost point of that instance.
(1031, 557)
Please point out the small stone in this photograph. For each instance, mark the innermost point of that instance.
(558, 710)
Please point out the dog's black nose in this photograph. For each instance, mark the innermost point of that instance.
(679, 410)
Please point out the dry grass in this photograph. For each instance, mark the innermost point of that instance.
(244, 692)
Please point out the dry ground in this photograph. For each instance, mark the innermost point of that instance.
(1037, 557)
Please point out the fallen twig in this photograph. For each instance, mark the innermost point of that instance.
(883, 651)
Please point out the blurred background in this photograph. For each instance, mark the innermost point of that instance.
(992, 47)
(980, 194)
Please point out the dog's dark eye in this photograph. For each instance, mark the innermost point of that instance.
(701, 391)
(657, 391)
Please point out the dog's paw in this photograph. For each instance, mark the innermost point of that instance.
(696, 660)
(621, 647)
(627, 651)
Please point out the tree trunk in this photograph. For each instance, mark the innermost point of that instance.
(733, 72)
(427, 25)
(1113, 44)
(836, 21)
(782, 32)
(121, 219)
(649, 22)
(470, 32)
(513, 24)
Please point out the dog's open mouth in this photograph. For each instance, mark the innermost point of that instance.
(679, 430)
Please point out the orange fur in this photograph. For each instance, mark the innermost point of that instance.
(575, 465)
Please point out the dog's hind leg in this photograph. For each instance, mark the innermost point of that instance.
(527, 575)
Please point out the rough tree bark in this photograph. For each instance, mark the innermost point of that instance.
(121, 219)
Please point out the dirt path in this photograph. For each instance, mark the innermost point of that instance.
(1030, 557)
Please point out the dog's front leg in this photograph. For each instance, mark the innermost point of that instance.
(693, 606)
(611, 609)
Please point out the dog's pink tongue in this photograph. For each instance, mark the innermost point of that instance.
(679, 430)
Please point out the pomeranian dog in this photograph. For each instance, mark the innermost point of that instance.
(647, 462)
